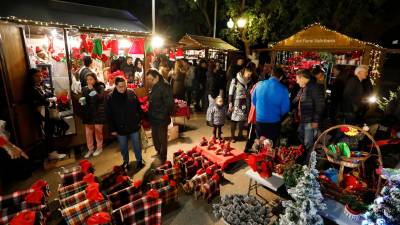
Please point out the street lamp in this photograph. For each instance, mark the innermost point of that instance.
(230, 23)
(241, 22)
(157, 42)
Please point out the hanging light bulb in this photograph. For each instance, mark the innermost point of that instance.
(157, 42)
(241, 22)
(230, 23)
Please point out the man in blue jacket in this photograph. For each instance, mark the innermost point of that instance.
(271, 99)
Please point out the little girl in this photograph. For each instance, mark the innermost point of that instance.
(216, 113)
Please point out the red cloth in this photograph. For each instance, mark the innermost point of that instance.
(251, 119)
(99, 218)
(93, 193)
(3, 141)
(113, 45)
(120, 179)
(24, 218)
(137, 183)
(34, 197)
(221, 160)
(137, 47)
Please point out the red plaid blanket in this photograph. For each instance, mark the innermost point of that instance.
(144, 211)
(14, 198)
(173, 174)
(77, 214)
(72, 189)
(168, 194)
(73, 199)
(118, 187)
(124, 196)
(7, 215)
(70, 178)
(210, 189)
(157, 184)
(108, 180)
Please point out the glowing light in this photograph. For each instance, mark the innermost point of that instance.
(157, 42)
(241, 22)
(372, 99)
(230, 23)
(124, 43)
(54, 33)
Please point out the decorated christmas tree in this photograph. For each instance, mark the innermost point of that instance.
(386, 208)
(307, 199)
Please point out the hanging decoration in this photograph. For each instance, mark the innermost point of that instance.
(171, 56)
(179, 53)
(138, 47)
(113, 46)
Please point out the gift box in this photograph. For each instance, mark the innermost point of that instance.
(64, 192)
(78, 213)
(173, 173)
(144, 211)
(124, 196)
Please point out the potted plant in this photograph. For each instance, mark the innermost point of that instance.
(353, 207)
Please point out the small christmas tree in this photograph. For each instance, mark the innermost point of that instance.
(307, 199)
(386, 209)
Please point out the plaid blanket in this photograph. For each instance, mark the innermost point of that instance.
(69, 190)
(118, 187)
(73, 199)
(173, 174)
(210, 190)
(160, 170)
(70, 178)
(190, 171)
(77, 214)
(108, 180)
(7, 214)
(168, 194)
(14, 198)
(157, 184)
(124, 196)
(144, 211)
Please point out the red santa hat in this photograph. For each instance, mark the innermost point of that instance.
(179, 53)
(38, 49)
(171, 56)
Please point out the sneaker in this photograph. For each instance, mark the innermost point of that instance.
(56, 156)
(98, 152)
(88, 154)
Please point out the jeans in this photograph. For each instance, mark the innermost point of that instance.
(123, 145)
(307, 136)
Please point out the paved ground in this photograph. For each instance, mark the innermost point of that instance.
(188, 210)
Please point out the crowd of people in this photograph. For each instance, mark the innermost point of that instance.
(255, 100)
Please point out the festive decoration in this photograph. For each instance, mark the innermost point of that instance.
(171, 56)
(97, 47)
(307, 197)
(99, 218)
(241, 209)
(113, 46)
(386, 208)
(292, 174)
(93, 193)
(137, 47)
(24, 218)
(179, 53)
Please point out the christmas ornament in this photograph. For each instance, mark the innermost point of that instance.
(179, 53)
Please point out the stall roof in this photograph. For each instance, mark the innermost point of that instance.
(318, 37)
(73, 15)
(201, 42)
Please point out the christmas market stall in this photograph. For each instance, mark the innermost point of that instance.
(201, 47)
(318, 45)
(54, 36)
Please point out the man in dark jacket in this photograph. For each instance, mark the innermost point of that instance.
(200, 80)
(310, 107)
(161, 107)
(353, 102)
(129, 69)
(123, 115)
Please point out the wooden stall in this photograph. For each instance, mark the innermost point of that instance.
(199, 47)
(62, 32)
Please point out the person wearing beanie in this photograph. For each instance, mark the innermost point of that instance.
(310, 107)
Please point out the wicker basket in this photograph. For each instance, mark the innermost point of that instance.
(344, 162)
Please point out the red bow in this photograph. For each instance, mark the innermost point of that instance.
(120, 179)
(137, 183)
(85, 165)
(89, 178)
(93, 193)
(34, 197)
(215, 177)
(165, 177)
(176, 166)
(153, 194)
(99, 218)
(172, 183)
(24, 218)
(39, 184)
(200, 171)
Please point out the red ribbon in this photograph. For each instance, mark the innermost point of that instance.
(34, 197)
(24, 218)
(99, 218)
(39, 184)
(153, 194)
(93, 193)
(137, 183)
(172, 183)
(89, 178)
(120, 179)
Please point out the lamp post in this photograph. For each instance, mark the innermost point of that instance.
(241, 24)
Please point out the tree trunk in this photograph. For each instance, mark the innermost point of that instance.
(246, 48)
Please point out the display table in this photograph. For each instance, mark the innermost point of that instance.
(335, 211)
(221, 160)
(274, 182)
